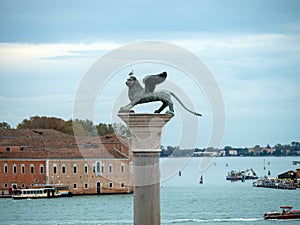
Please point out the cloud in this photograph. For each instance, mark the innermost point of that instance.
(19, 52)
(231, 57)
(258, 75)
(14, 110)
(208, 45)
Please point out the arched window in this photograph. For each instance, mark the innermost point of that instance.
(54, 169)
(75, 168)
(110, 168)
(122, 168)
(86, 168)
(5, 168)
(63, 169)
(99, 168)
(22, 168)
(41, 169)
(14, 169)
(31, 168)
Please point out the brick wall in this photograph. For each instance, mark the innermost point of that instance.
(24, 148)
(18, 173)
(84, 178)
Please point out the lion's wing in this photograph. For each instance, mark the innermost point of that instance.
(151, 81)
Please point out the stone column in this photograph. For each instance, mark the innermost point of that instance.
(146, 135)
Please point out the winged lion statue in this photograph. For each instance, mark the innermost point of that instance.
(139, 95)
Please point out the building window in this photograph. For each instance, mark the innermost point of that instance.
(74, 168)
(14, 169)
(63, 169)
(5, 185)
(23, 185)
(75, 186)
(122, 168)
(22, 169)
(94, 169)
(86, 185)
(110, 168)
(5, 168)
(54, 169)
(86, 168)
(8, 149)
(31, 168)
(110, 185)
(122, 185)
(22, 148)
(99, 168)
(41, 169)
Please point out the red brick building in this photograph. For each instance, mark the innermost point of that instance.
(88, 165)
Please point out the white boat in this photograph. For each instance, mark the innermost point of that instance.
(35, 193)
(62, 189)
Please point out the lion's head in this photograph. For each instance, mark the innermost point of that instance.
(131, 81)
(135, 89)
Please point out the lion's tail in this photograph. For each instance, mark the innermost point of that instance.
(181, 103)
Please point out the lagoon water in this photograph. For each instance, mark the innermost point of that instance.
(183, 199)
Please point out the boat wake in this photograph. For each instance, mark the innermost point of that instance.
(215, 220)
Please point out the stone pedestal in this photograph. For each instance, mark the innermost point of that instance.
(146, 135)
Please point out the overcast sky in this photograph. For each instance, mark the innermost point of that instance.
(251, 47)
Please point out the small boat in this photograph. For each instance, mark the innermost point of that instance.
(275, 183)
(295, 162)
(248, 174)
(35, 193)
(286, 214)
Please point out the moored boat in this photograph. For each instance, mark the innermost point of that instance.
(62, 189)
(35, 193)
(286, 214)
(275, 183)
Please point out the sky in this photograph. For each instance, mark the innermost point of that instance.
(252, 49)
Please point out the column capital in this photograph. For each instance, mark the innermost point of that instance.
(145, 119)
(145, 129)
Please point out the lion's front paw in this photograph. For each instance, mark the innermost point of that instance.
(170, 112)
(125, 109)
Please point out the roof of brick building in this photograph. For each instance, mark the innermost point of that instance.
(49, 143)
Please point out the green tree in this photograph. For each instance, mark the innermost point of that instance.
(102, 129)
(78, 127)
(68, 127)
(37, 122)
(121, 130)
(4, 125)
(277, 152)
(84, 127)
(278, 147)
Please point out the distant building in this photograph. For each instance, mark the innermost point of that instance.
(258, 151)
(233, 152)
(88, 165)
(291, 174)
